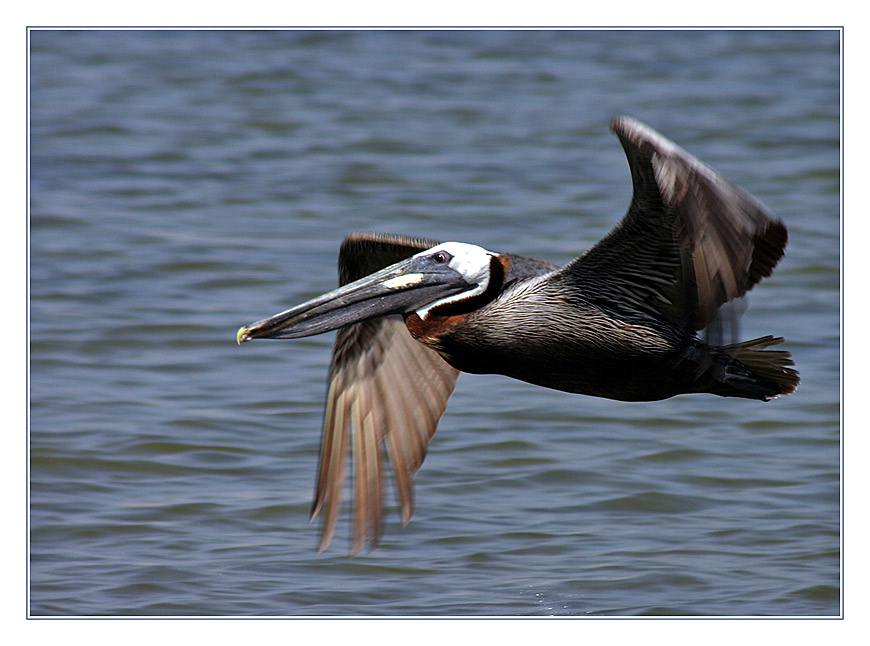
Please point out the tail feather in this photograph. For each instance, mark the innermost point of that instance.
(755, 372)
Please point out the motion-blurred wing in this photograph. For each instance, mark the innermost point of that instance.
(691, 240)
(385, 388)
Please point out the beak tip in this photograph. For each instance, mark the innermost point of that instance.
(242, 335)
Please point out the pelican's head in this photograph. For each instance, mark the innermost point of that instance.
(448, 272)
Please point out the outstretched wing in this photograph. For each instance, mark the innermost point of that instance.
(691, 240)
(385, 390)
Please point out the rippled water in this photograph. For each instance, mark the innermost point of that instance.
(183, 183)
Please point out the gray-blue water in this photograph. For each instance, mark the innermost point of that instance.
(184, 183)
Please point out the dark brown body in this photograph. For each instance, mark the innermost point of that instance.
(536, 331)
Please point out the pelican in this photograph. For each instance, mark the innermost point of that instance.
(624, 321)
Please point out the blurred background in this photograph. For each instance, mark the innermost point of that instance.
(183, 183)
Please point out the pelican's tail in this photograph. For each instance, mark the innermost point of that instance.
(752, 371)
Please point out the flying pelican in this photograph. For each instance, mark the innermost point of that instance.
(621, 321)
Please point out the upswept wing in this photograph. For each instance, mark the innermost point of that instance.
(691, 240)
(385, 391)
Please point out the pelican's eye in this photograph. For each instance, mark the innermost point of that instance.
(441, 257)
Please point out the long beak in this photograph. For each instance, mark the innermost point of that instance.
(397, 289)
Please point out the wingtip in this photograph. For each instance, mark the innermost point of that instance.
(324, 542)
(629, 129)
(622, 122)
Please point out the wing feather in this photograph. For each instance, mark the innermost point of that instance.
(690, 241)
(385, 390)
